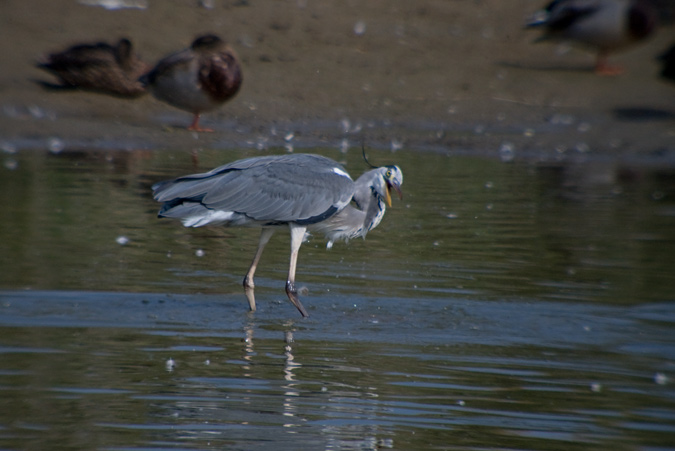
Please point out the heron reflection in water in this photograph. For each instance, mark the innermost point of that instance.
(306, 193)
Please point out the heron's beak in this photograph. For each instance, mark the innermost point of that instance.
(396, 188)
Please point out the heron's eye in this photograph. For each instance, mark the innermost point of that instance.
(387, 174)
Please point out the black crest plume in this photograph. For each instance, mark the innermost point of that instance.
(363, 151)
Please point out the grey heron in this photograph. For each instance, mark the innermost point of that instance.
(300, 191)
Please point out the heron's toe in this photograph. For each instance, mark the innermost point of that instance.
(295, 300)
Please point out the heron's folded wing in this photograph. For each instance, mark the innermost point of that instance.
(285, 189)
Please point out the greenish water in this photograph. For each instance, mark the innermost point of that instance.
(526, 305)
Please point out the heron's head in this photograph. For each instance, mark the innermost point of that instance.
(392, 178)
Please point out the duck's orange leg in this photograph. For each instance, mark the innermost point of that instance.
(602, 67)
(195, 125)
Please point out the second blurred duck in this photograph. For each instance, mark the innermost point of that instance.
(198, 79)
(602, 25)
(101, 67)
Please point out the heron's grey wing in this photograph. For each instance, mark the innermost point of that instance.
(285, 188)
(197, 185)
(183, 197)
(289, 188)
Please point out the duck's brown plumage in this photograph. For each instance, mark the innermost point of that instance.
(111, 69)
(198, 79)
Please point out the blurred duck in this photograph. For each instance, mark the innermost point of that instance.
(602, 25)
(198, 79)
(668, 64)
(97, 67)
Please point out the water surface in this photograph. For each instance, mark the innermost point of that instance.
(498, 306)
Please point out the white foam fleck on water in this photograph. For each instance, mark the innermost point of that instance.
(55, 145)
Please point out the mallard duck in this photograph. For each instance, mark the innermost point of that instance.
(602, 25)
(668, 67)
(98, 67)
(198, 79)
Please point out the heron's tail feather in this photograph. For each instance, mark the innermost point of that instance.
(194, 214)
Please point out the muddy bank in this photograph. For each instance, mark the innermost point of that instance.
(450, 75)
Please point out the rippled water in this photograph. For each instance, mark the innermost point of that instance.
(499, 306)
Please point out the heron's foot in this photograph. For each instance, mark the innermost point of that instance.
(248, 291)
(295, 300)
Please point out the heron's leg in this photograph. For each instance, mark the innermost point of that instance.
(265, 236)
(297, 234)
(250, 296)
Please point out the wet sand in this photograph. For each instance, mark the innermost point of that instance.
(453, 75)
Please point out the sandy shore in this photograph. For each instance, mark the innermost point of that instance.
(451, 75)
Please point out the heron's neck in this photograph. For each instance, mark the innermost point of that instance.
(374, 211)
(358, 218)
